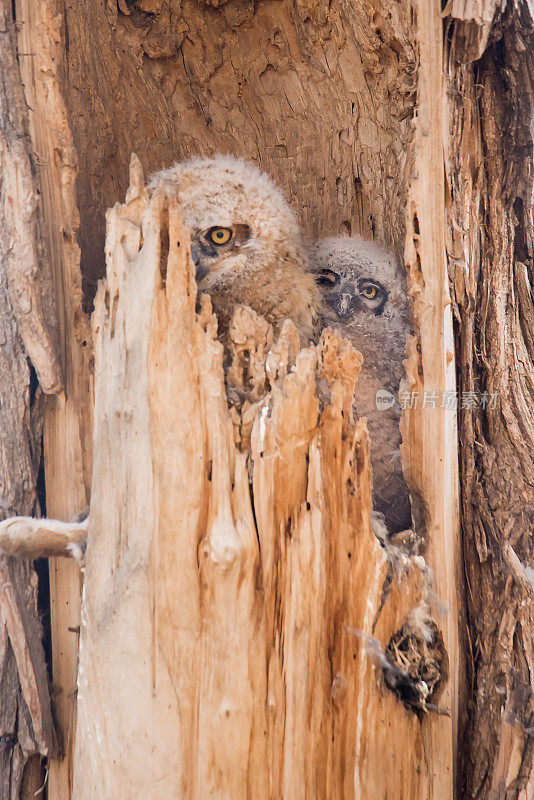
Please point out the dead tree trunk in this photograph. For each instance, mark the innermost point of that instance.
(238, 540)
(351, 106)
(67, 434)
(328, 109)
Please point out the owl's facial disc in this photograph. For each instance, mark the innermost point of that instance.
(212, 249)
(347, 298)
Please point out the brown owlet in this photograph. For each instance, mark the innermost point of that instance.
(245, 242)
(366, 301)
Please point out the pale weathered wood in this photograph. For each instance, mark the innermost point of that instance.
(324, 99)
(429, 429)
(26, 266)
(231, 584)
(67, 429)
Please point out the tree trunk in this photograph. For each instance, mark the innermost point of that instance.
(489, 66)
(67, 434)
(257, 588)
(351, 107)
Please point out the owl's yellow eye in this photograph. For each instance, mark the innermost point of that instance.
(369, 291)
(220, 235)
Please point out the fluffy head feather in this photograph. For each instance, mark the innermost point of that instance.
(259, 260)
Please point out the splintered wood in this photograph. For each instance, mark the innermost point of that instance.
(232, 581)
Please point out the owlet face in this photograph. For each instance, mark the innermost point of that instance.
(245, 242)
(214, 251)
(348, 294)
(365, 298)
(237, 217)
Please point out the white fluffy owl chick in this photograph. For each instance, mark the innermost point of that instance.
(366, 301)
(245, 242)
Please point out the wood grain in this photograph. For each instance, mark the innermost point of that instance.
(27, 339)
(319, 96)
(229, 582)
(67, 426)
(429, 430)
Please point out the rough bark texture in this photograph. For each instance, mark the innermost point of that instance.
(249, 567)
(27, 340)
(489, 63)
(67, 428)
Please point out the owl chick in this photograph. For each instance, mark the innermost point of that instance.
(245, 242)
(366, 301)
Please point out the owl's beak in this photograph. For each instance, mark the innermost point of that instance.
(345, 303)
(201, 270)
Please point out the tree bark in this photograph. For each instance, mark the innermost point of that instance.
(489, 68)
(67, 435)
(322, 98)
(27, 343)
